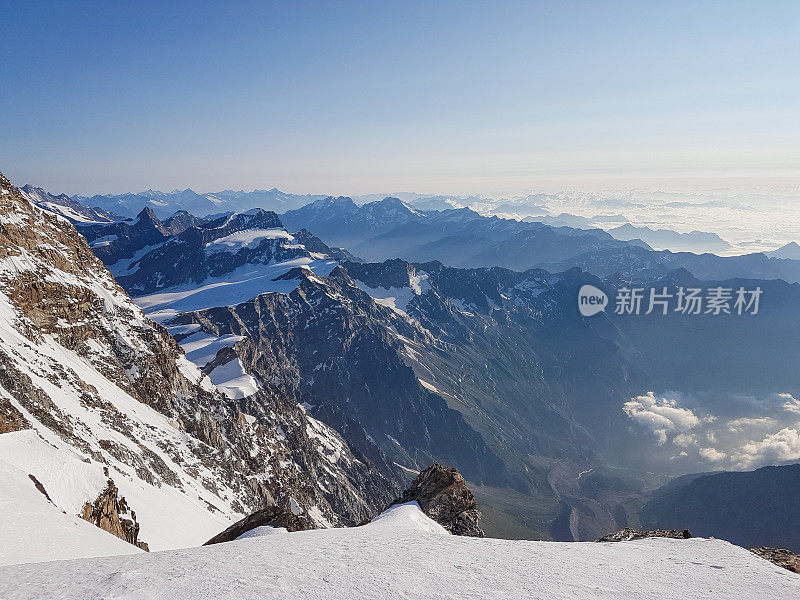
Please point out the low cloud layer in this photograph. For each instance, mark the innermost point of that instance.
(744, 442)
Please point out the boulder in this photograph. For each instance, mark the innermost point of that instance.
(272, 516)
(443, 495)
(110, 513)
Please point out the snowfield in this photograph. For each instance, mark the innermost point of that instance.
(235, 287)
(403, 554)
(249, 238)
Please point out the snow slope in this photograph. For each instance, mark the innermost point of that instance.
(398, 557)
(46, 531)
(71, 479)
(249, 238)
(232, 379)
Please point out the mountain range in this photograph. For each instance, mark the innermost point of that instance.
(665, 239)
(91, 390)
(167, 203)
(342, 376)
(497, 362)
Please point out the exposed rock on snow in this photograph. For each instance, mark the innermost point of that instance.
(779, 556)
(38, 485)
(443, 495)
(628, 534)
(109, 513)
(10, 418)
(271, 516)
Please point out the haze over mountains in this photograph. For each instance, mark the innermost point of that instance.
(349, 300)
(730, 222)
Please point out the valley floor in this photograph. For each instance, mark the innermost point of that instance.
(405, 555)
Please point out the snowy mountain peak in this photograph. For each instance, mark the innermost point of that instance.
(67, 207)
(338, 202)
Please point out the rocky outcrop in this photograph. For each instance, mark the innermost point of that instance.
(443, 495)
(628, 534)
(271, 516)
(110, 513)
(10, 418)
(779, 556)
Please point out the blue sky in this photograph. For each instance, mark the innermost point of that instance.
(357, 97)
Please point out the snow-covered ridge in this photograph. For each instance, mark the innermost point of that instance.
(67, 207)
(400, 556)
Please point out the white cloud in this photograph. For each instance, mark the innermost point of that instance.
(776, 447)
(684, 440)
(660, 415)
(712, 454)
(750, 422)
(743, 442)
(791, 404)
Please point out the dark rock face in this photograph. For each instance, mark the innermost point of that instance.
(112, 243)
(313, 244)
(181, 221)
(443, 495)
(783, 558)
(110, 513)
(271, 516)
(329, 345)
(627, 534)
